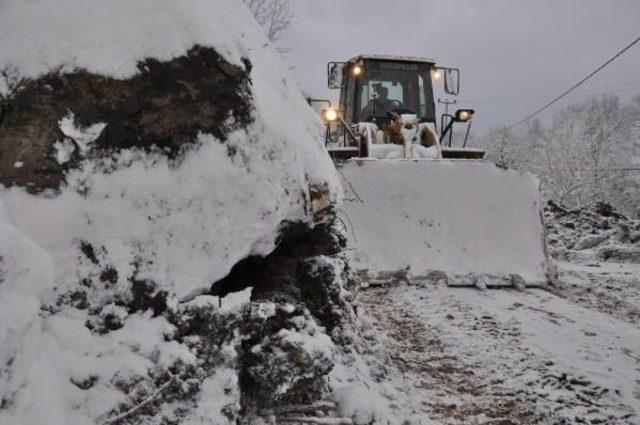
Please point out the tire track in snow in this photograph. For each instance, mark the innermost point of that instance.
(464, 363)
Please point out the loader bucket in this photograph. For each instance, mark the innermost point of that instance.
(470, 221)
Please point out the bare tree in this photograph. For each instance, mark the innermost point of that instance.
(275, 16)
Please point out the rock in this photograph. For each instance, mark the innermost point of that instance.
(437, 276)
(281, 362)
(306, 278)
(605, 209)
(518, 282)
(560, 252)
(480, 282)
(621, 254)
(590, 241)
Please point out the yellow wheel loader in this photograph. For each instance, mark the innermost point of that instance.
(415, 204)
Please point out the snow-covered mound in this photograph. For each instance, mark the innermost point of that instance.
(99, 278)
(146, 205)
(593, 233)
(467, 219)
(111, 37)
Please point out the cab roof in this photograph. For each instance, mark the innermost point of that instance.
(394, 58)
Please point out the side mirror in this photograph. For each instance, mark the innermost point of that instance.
(335, 74)
(451, 81)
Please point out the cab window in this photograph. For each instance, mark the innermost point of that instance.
(402, 86)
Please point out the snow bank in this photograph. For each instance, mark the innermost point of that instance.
(181, 224)
(190, 224)
(459, 217)
(195, 219)
(110, 37)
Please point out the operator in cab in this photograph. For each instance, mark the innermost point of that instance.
(380, 104)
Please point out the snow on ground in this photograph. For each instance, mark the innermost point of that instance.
(464, 356)
(611, 288)
(567, 354)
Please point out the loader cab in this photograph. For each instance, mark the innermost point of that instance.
(388, 92)
(374, 87)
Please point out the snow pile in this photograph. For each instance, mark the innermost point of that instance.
(593, 233)
(111, 37)
(146, 205)
(467, 219)
(95, 278)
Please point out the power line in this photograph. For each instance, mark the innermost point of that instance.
(610, 169)
(579, 83)
(593, 169)
(575, 94)
(600, 89)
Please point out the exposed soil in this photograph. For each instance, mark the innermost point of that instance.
(290, 273)
(163, 107)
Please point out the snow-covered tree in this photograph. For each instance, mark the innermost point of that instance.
(499, 143)
(588, 152)
(629, 154)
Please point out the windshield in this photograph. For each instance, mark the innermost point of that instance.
(400, 86)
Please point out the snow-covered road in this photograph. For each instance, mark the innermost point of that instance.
(505, 356)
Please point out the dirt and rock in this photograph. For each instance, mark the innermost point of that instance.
(596, 232)
(597, 250)
(163, 108)
(279, 340)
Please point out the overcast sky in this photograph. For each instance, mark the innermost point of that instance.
(514, 55)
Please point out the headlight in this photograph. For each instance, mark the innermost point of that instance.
(356, 70)
(436, 74)
(463, 115)
(330, 114)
